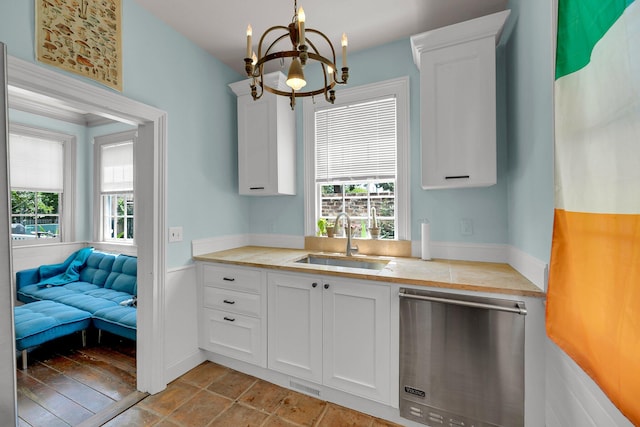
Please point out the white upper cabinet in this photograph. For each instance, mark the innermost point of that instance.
(458, 102)
(266, 140)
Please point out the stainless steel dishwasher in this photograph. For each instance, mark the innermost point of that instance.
(461, 359)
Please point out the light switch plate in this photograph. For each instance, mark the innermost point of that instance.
(175, 234)
(466, 227)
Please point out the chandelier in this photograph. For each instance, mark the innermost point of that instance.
(303, 52)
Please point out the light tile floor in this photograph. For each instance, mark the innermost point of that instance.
(213, 395)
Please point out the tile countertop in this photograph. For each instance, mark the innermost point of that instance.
(462, 275)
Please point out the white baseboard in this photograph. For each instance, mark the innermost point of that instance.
(535, 270)
(183, 366)
(214, 244)
(277, 240)
(482, 252)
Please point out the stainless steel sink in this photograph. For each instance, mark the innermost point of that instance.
(344, 262)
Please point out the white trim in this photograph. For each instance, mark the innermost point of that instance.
(396, 87)
(185, 365)
(277, 241)
(535, 270)
(481, 252)
(152, 181)
(8, 397)
(474, 29)
(116, 248)
(214, 244)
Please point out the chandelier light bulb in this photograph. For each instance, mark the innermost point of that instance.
(295, 78)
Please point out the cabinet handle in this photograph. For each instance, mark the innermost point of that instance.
(229, 319)
(457, 177)
(226, 301)
(256, 188)
(326, 286)
(229, 279)
(314, 284)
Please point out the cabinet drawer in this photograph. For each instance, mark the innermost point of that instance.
(235, 278)
(232, 301)
(233, 335)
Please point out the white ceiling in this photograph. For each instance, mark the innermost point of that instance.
(219, 27)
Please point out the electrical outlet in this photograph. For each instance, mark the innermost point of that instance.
(466, 227)
(175, 234)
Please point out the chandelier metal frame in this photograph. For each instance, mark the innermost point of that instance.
(254, 67)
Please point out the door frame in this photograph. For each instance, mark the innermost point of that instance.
(150, 196)
(8, 399)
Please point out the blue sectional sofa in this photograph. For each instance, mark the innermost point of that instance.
(100, 283)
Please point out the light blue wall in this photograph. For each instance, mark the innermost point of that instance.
(163, 69)
(486, 207)
(530, 66)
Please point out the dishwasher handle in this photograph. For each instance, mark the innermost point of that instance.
(519, 308)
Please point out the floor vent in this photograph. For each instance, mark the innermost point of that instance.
(304, 388)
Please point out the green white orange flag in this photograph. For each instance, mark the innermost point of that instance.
(593, 305)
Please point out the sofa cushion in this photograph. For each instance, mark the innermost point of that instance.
(85, 302)
(81, 286)
(39, 292)
(97, 268)
(124, 275)
(117, 320)
(109, 294)
(42, 321)
(36, 292)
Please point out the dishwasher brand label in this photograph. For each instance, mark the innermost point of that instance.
(414, 391)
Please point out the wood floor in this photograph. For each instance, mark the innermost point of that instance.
(68, 385)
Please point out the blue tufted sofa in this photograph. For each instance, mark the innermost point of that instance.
(103, 284)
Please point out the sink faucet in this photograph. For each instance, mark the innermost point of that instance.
(350, 250)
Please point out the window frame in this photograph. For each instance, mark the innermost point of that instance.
(398, 88)
(98, 223)
(67, 206)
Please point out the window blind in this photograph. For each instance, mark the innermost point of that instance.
(117, 168)
(36, 164)
(356, 141)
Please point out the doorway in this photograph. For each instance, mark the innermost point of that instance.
(151, 189)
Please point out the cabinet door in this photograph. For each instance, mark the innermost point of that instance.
(256, 138)
(233, 335)
(357, 338)
(295, 325)
(458, 115)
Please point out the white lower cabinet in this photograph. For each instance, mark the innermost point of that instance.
(232, 312)
(332, 331)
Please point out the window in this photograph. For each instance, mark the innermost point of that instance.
(114, 203)
(358, 151)
(42, 171)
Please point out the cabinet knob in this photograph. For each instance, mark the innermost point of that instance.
(226, 301)
(326, 286)
(229, 319)
(229, 279)
(256, 188)
(314, 285)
